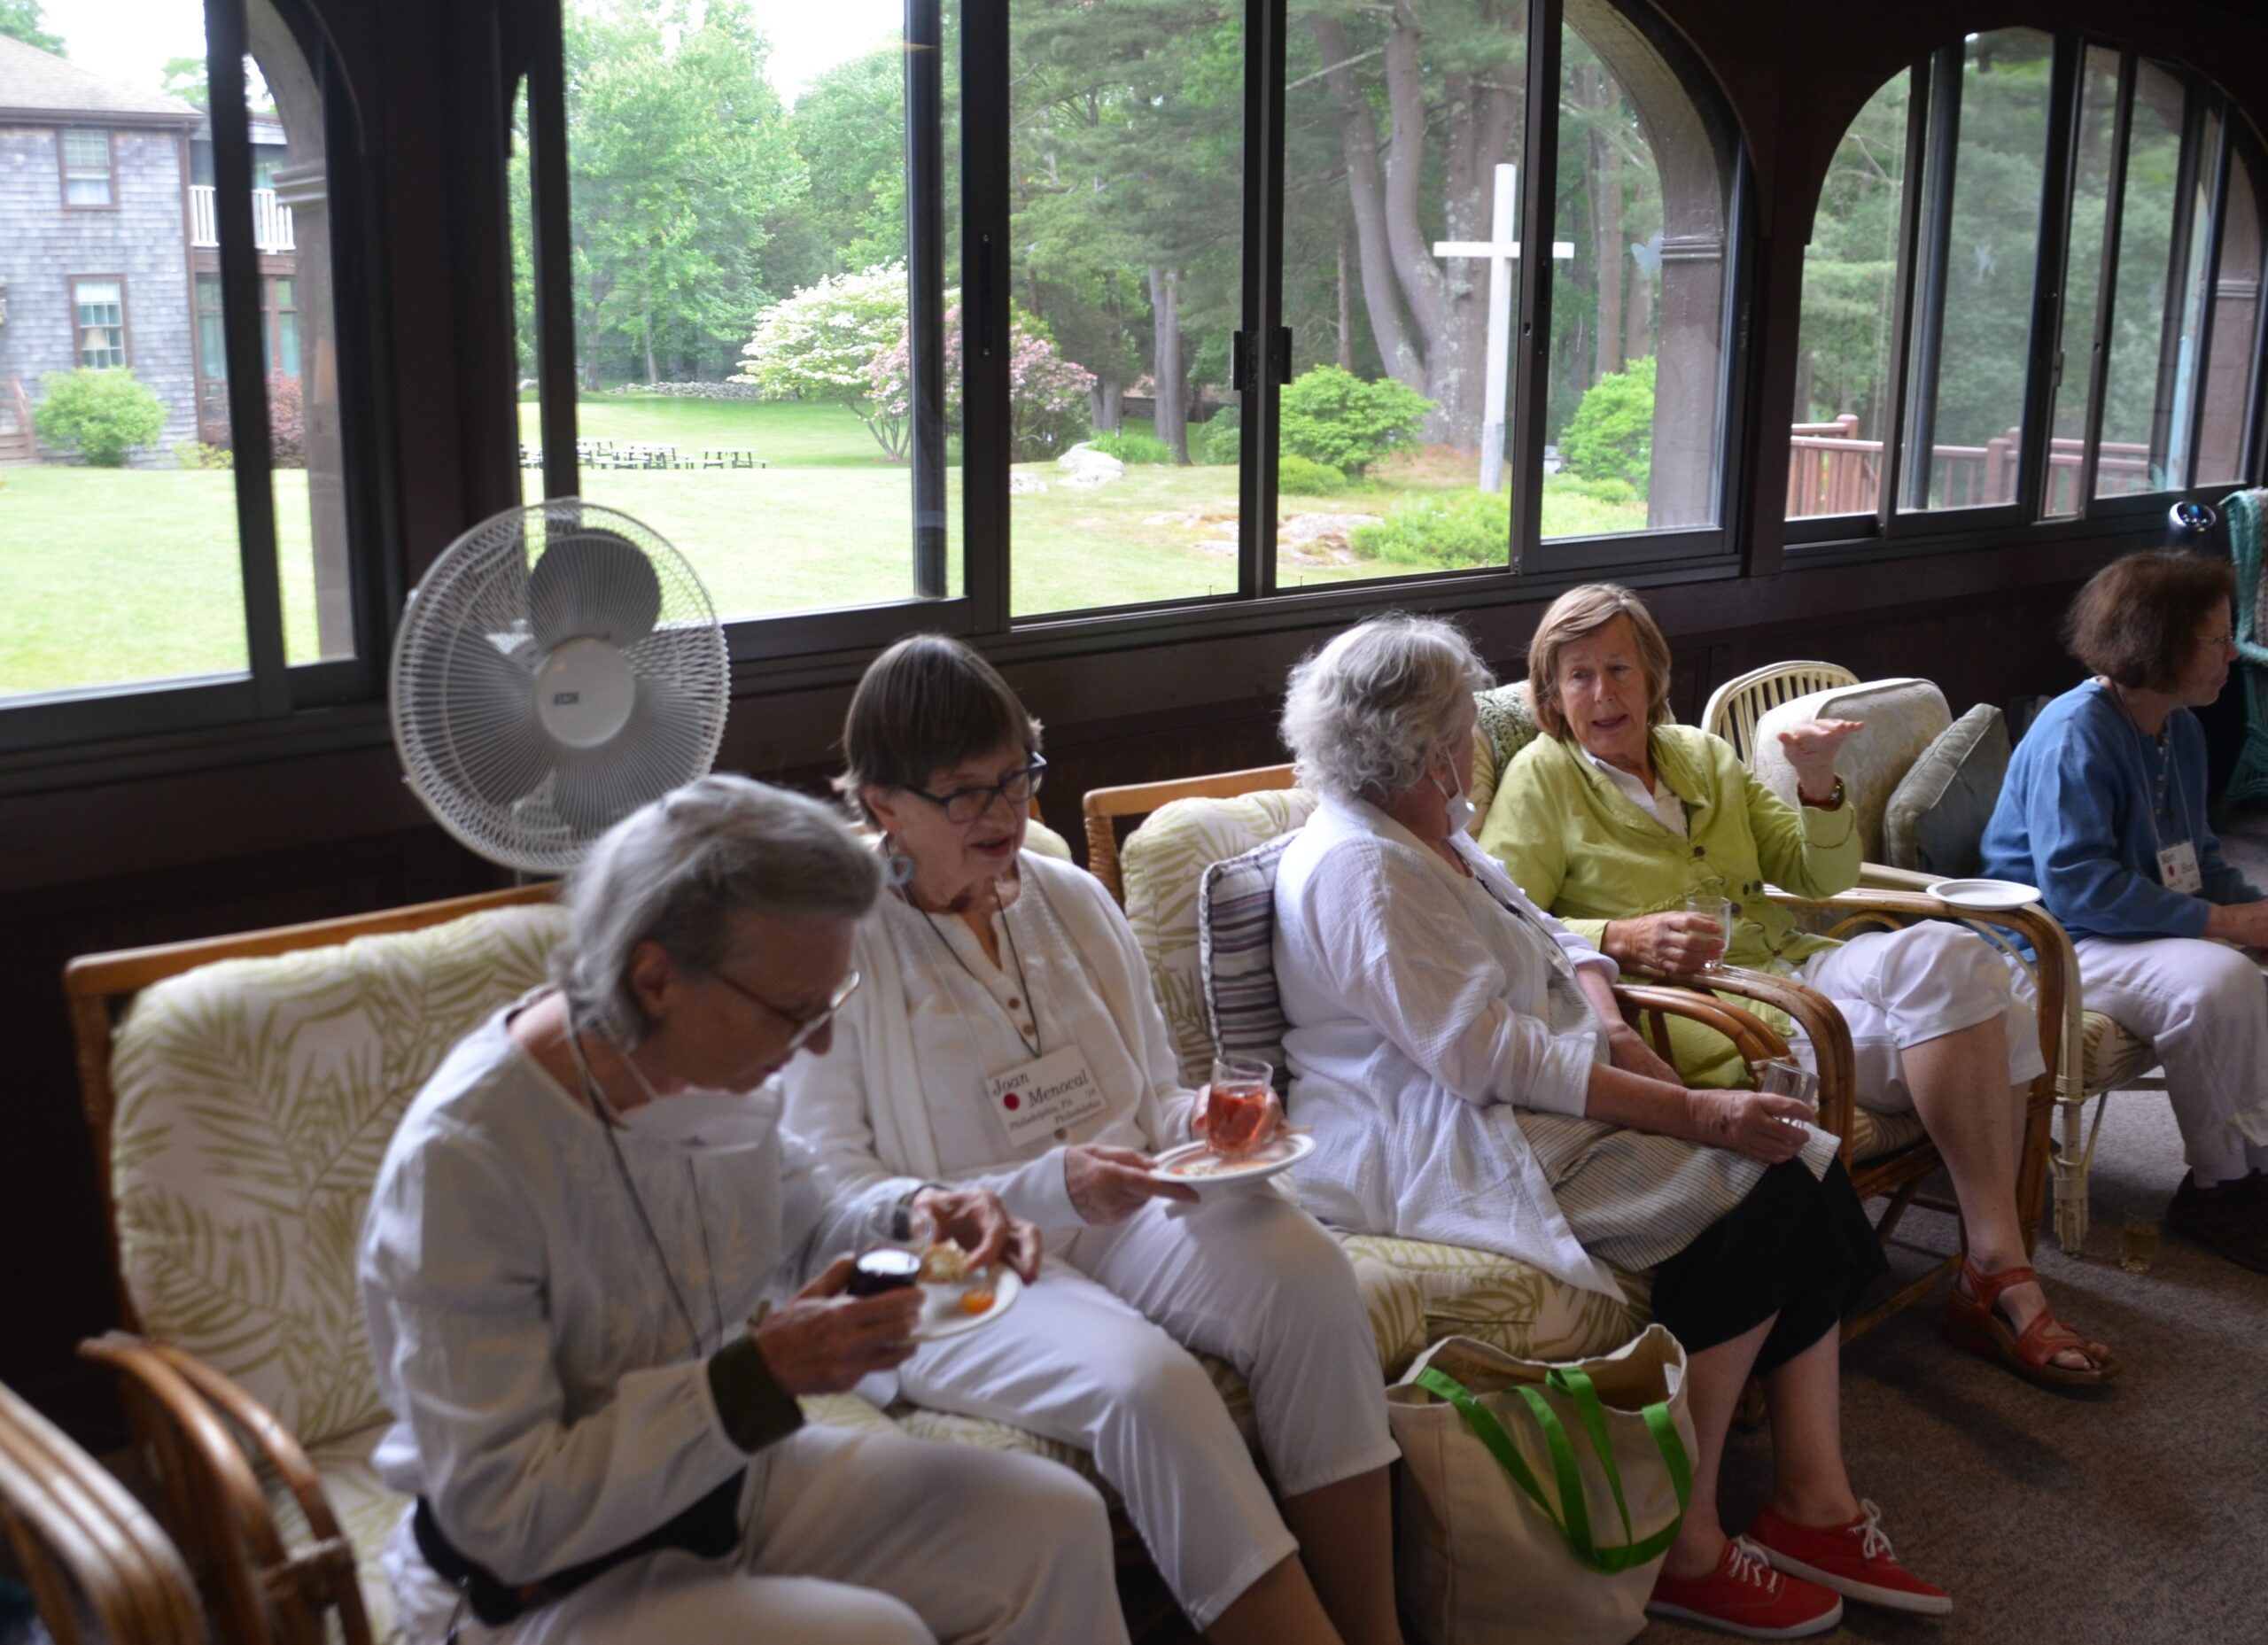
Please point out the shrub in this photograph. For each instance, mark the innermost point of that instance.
(100, 415)
(1611, 489)
(1303, 477)
(1223, 442)
(287, 438)
(1447, 529)
(1131, 446)
(1610, 437)
(192, 454)
(1335, 417)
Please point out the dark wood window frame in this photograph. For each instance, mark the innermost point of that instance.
(71, 284)
(1917, 308)
(119, 722)
(109, 135)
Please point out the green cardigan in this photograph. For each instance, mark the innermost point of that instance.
(1579, 846)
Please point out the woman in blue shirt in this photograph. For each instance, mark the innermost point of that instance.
(2104, 810)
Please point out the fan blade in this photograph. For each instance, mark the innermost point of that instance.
(495, 738)
(659, 747)
(592, 581)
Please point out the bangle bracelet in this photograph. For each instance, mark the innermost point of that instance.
(1832, 802)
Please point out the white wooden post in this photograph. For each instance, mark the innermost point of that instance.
(1502, 249)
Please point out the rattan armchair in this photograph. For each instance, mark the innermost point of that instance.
(97, 1565)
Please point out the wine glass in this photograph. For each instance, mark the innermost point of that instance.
(1720, 911)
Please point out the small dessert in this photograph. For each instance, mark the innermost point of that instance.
(975, 1302)
(944, 1263)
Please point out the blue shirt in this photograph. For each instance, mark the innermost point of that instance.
(2088, 805)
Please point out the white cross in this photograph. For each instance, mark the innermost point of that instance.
(1502, 251)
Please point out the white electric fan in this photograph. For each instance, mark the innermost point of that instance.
(559, 666)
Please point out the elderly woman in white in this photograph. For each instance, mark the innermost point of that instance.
(576, 1217)
(1007, 1038)
(1469, 1078)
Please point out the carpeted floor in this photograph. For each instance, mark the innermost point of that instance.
(2138, 1515)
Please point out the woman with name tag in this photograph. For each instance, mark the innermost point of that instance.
(1007, 1038)
(2104, 810)
(1470, 1079)
(568, 1234)
(1615, 816)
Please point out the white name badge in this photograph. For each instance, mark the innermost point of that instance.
(2177, 869)
(1046, 1096)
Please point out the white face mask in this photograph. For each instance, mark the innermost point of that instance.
(1461, 808)
(698, 1121)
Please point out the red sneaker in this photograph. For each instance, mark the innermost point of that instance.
(1854, 1560)
(1745, 1596)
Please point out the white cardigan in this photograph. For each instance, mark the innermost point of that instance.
(866, 1106)
(1423, 1017)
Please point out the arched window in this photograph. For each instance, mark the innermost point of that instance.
(2032, 290)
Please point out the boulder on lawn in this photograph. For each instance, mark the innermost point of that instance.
(1082, 465)
(1022, 482)
(1321, 539)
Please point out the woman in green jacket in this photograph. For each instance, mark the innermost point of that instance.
(1615, 816)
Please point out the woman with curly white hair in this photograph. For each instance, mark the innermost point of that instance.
(1468, 1077)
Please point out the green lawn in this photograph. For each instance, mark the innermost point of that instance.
(112, 576)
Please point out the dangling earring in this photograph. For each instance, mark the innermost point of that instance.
(897, 867)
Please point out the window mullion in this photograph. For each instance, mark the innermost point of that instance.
(1909, 252)
(2058, 184)
(2106, 290)
(549, 208)
(2176, 284)
(1942, 145)
(925, 279)
(1532, 377)
(2200, 377)
(1263, 368)
(985, 452)
(240, 326)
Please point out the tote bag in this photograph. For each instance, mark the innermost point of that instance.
(1536, 1501)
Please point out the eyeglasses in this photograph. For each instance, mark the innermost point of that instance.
(965, 806)
(805, 1026)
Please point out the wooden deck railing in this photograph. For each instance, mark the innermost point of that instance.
(1832, 470)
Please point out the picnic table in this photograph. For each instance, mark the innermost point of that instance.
(731, 457)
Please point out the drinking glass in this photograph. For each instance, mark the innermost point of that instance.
(1235, 1102)
(1720, 911)
(889, 1253)
(1788, 1079)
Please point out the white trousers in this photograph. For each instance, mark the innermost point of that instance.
(1093, 1355)
(2204, 1009)
(848, 1538)
(1906, 986)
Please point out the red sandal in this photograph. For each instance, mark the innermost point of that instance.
(1973, 1321)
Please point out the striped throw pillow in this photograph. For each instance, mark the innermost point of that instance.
(1236, 938)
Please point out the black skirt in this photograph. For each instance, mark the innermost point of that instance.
(1798, 1246)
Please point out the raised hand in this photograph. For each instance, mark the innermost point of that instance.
(1811, 748)
(1676, 944)
(976, 1219)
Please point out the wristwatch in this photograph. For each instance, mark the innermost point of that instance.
(1832, 802)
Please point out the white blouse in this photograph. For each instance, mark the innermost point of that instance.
(549, 1397)
(905, 1088)
(1426, 1008)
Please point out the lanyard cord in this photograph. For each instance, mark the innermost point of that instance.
(1036, 1044)
(622, 1169)
(2162, 748)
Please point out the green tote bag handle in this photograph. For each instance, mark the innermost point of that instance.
(1572, 1517)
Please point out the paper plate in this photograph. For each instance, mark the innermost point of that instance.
(1281, 1155)
(1989, 897)
(943, 1316)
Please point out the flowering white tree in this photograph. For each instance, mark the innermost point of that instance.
(1047, 394)
(821, 344)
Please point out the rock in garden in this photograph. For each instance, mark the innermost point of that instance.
(1021, 482)
(1322, 537)
(1083, 465)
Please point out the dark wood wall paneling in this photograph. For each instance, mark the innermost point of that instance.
(259, 835)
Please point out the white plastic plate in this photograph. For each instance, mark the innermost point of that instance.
(1987, 896)
(943, 1316)
(1193, 1164)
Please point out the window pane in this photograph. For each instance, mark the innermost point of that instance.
(742, 304)
(291, 226)
(1842, 386)
(1126, 150)
(1968, 363)
(1400, 215)
(2144, 364)
(2091, 166)
(86, 168)
(2236, 311)
(121, 564)
(1638, 306)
